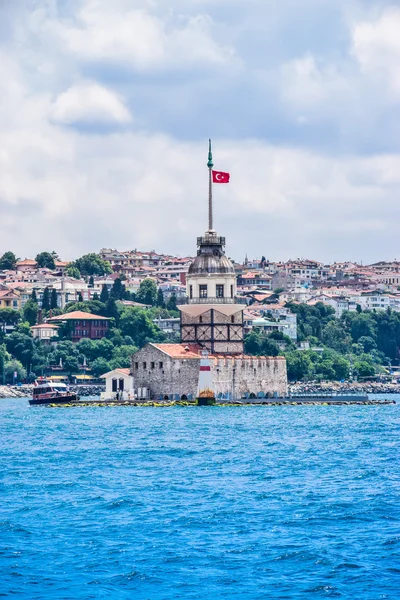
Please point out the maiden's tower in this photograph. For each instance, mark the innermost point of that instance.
(212, 320)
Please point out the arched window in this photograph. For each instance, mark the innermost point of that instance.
(121, 384)
(114, 385)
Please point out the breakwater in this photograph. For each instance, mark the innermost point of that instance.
(25, 391)
(333, 387)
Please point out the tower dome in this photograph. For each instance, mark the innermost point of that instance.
(211, 257)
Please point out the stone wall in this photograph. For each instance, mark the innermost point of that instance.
(233, 376)
(175, 376)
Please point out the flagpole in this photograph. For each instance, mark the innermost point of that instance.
(210, 199)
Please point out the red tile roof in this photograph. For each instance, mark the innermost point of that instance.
(194, 351)
(78, 314)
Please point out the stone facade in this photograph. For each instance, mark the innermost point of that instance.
(172, 370)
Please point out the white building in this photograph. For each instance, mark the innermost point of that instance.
(118, 381)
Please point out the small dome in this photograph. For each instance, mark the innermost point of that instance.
(210, 263)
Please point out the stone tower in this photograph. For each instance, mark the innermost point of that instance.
(212, 316)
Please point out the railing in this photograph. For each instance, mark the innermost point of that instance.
(216, 301)
(211, 240)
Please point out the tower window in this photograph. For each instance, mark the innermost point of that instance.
(232, 318)
(203, 291)
(190, 291)
(220, 291)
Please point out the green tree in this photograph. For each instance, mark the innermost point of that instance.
(53, 299)
(100, 366)
(80, 297)
(171, 304)
(252, 343)
(9, 316)
(91, 282)
(8, 261)
(14, 366)
(299, 365)
(134, 322)
(46, 299)
(160, 298)
(95, 296)
(73, 271)
(45, 260)
(118, 289)
(112, 309)
(121, 357)
(30, 312)
(21, 347)
(104, 294)
(34, 296)
(92, 264)
(335, 336)
(147, 292)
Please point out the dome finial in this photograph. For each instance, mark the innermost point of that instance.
(210, 163)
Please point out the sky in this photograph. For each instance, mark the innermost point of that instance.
(106, 109)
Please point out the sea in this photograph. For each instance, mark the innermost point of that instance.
(205, 503)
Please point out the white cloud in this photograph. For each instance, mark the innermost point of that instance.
(78, 189)
(138, 38)
(376, 46)
(88, 102)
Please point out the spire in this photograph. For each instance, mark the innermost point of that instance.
(210, 163)
(210, 203)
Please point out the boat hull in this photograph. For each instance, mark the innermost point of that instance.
(55, 400)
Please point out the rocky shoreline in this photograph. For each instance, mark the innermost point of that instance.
(25, 391)
(333, 387)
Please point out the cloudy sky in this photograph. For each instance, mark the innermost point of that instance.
(106, 109)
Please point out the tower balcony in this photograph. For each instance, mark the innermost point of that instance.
(210, 239)
(216, 301)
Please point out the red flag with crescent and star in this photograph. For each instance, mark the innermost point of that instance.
(220, 177)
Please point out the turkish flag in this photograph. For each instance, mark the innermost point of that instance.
(220, 177)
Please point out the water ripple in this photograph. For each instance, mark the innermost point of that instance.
(210, 504)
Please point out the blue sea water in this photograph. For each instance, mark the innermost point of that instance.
(199, 503)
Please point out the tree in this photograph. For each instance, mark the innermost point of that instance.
(160, 298)
(118, 289)
(92, 264)
(121, 357)
(45, 260)
(171, 304)
(139, 326)
(21, 347)
(100, 366)
(14, 366)
(95, 296)
(112, 309)
(46, 299)
(34, 296)
(104, 294)
(53, 299)
(9, 316)
(299, 365)
(252, 343)
(91, 282)
(147, 292)
(335, 336)
(80, 297)
(30, 312)
(8, 262)
(73, 272)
